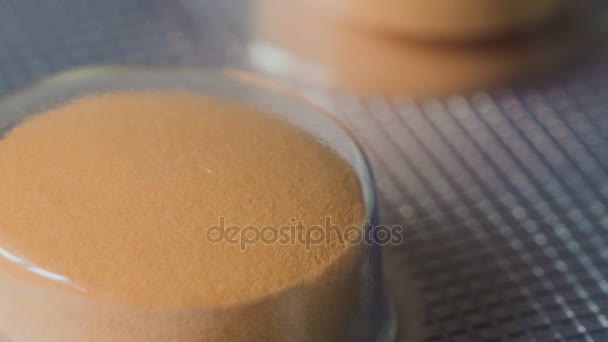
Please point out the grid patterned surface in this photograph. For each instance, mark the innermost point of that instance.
(504, 199)
(503, 195)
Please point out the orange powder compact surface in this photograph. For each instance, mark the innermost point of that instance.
(106, 207)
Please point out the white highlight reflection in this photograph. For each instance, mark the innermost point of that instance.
(37, 270)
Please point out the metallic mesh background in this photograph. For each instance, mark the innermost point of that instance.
(504, 195)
